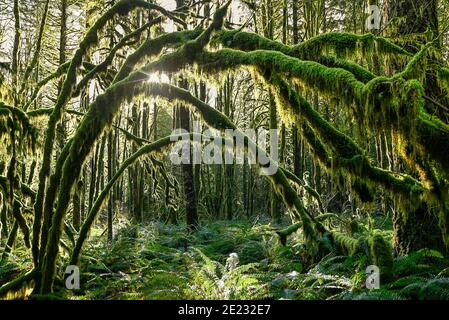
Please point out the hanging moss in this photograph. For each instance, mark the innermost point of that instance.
(443, 78)
(328, 81)
(432, 137)
(347, 44)
(99, 117)
(348, 155)
(416, 67)
(379, 94)
(340, 43)
(102, 67)
(16, 128)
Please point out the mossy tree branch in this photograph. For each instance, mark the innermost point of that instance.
(37, 51)
(108, 60)
(381, 102)
(122, 7)
(99, 116)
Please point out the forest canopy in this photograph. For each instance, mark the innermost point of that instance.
(320, 131)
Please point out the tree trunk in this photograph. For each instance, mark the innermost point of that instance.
(417, 229)
(187, 169)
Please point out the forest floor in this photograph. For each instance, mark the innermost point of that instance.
(233, 260)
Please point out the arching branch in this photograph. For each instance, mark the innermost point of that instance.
(108, 60)
(401, 109)
(99, 116)
(122, 7)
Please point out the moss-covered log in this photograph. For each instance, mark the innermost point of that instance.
(341, 43)
(17, 283)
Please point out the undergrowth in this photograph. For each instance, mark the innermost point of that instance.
(234, 260)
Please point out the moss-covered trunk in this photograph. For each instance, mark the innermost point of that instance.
(418, 228)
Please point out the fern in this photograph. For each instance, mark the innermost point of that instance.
(213, 280)
(436, 289)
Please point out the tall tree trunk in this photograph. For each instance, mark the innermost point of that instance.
(110, 175)
(414, 229)
(187, 168)
(295, 137)
(62, 58)
(187, 174)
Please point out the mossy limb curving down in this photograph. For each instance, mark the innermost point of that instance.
(390, 96)
(122, 7)
(340, 43)
(98, 119)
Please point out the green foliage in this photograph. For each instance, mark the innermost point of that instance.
(240, 259)
(213, 280)
(443, 77)
(372, 295)
(424, 262)
(345, 244)
(381, 254)
(436, 289)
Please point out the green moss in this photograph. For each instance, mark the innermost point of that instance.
(15, 122)
(348, 156)
(436, 289)
(345, 244)
(339, 43)
(98, 119)
(314, 75)
(152, 47)
(102, 67)
(443, 78)
(381, 254)
(19, 282)
(347, 44)
(380, 94)
(360, 73)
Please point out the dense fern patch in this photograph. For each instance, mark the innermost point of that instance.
(235, 260)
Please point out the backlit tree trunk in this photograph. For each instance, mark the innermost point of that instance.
(418, 228)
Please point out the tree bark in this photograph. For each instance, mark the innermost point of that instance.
(415, 229)
(187, 168)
